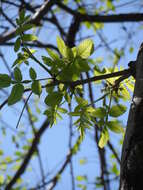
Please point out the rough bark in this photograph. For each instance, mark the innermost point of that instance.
(131, 177)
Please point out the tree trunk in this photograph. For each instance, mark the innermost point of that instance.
(131, 177)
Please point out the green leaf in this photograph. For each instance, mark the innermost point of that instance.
(103, 138)
(115, 169)
(81, 65)
(75, 113)
(52, 54)
(117, 110)
(125, 93)
(130, 86)
(65, 51)
(67, 98)
(17, 74)
(81, 101)
(83, 161)
(29, 37)
(17, 45)
(1, 179)
(1, 152)
(47, 61)
(62, 47)
(115, 126)
(24, 28)
(32, 73)
(81, 178)
(54, 98)
(22, 15)
(62, 110)
(5, 81)
(36, 87)
(100, 112)
(131, 49)
(85, 48)
(16, 94)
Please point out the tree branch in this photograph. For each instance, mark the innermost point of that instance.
(27, 158)
(130, 17)
(46, 6)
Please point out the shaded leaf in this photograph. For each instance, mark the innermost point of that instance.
(47, 61)
(16, 94)
(117, 110)
(17, 74)
(17, 45)
(24, 28)
(53, 98)
(36, 88)
(32, 73)
(115, 126)
(5, 81)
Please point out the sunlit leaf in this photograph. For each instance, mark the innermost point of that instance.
(63, 49)
(85, 48)
(62, 110)
(103, 138)
(52, 54)
(100, 112)
(1, 179)
(81, 178)
(28, 37)
(115, 170)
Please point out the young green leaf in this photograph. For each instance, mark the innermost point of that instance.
(32, 73)
(62, 47)
(36, 88)
(81, 101)
(52, 54)
(62, 110)
(81, 178)
(103, 138)
(117, 110)
(29, 37)
(85, 48)
(54, 98)
(16, 94)
(17, 74)
(115, 126)
(100, 112)
(17, 45)
(1, 179)
(24, 28)
(5, 81)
